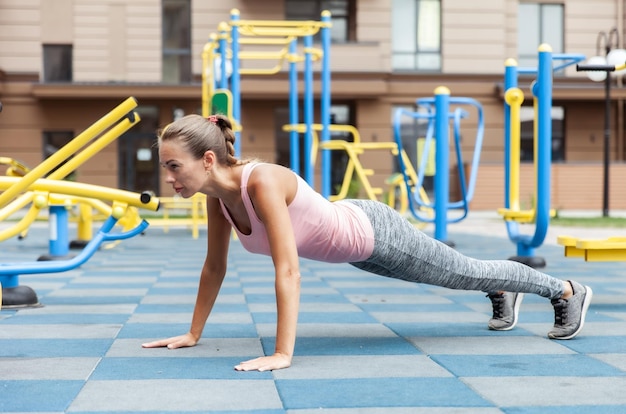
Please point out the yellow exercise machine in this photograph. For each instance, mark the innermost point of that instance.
(80, 149)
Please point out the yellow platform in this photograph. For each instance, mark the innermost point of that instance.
(612, 249)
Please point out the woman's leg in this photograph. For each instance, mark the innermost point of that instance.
(403, 252)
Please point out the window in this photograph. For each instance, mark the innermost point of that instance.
(57, 63)
(342, 16)
(538, 23)
(54, 141)
(527, 143)
(416, 35)
(176, 41)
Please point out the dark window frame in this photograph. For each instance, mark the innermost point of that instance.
(57, 62)
(348, 15)
(527, 138)
(181, 53)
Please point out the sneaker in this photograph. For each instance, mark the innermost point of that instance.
(505, 310)
(569, 314)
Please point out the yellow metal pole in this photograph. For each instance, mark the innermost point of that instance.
(39, 201)
(84, 229)
(85, 190)
(514, 97)
(208, 77)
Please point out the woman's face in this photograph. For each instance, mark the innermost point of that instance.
(185, 173)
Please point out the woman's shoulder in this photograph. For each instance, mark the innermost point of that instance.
(273, 177)
(264, 169)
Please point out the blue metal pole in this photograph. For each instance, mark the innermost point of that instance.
(325, 103)
(222, 48)
(510, 81)
(59, 243)
(308, 110)
(235, 79)
(544, 142)
(294, 136)
(442, 184)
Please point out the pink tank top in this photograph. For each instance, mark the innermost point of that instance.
(330, 232)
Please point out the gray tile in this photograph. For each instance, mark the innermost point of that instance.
(98, 292)
(79, 368)
(207, 347)
(616, 360)
(58, 331)
(118, 309)
(308, 307)
(187, 299)
(180, 317)
(488, 345)
(429, 317)
(401, 410)
(362, 366)
(172, 395)
(550, 391)
(121, 280)
(418, 299)
(339, 330)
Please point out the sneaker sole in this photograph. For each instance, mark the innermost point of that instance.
(516, 306)
(586, 303)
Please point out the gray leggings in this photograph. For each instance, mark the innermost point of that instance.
(401, 251)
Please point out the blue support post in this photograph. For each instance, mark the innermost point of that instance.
(325, 103)
(442, 184)
(294, 136)
(544, 130)
(236, 80)
(308, 110)
(222, 48)
(59, 243)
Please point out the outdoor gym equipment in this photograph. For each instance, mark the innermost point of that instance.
(26, 187)
(15, 295)
(353, 150)
(612, 249)
(75, 153)
(84, 217)
(222, 68)
(542, 102)
(438, 116)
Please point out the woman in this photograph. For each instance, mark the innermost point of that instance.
(276, 213)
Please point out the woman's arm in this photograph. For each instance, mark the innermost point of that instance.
(271, 189)
(211, 278)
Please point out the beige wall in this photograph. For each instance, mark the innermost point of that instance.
(115, 40)
(120, 42)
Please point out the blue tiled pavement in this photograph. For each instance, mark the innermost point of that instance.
(366, 344)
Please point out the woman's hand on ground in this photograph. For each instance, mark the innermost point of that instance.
(173, 343)
(266, 363)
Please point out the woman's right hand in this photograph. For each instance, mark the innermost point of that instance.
(173, 342)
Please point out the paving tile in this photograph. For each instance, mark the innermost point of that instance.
(366, 344)
(171, 395)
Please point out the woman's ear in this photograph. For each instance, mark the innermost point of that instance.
(209, 160)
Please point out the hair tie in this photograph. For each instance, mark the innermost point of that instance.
(213, 119)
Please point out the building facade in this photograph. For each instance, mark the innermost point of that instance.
(66, 63)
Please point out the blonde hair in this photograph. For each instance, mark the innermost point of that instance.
(199, 135)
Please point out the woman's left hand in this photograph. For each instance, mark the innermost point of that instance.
(266, 363)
